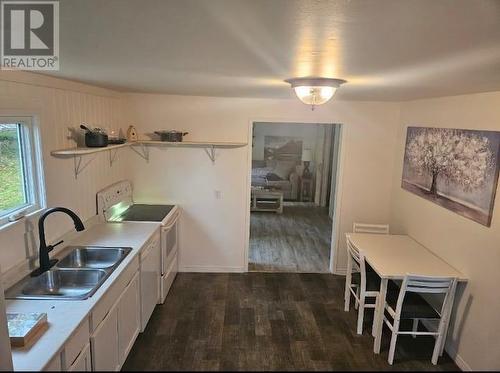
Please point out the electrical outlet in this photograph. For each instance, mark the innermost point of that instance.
(218, 194)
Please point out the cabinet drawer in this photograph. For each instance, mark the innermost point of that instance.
(76, 343)
(102, 308)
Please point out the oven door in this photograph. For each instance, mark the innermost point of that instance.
(169, 244)
(169, 248)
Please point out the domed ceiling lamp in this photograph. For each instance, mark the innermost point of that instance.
(315, 91)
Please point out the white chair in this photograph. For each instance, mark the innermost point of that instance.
(365, 287)
(408, 304)
(370, 228)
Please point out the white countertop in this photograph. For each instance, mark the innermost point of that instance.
(65, 316)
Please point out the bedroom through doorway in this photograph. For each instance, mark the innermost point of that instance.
(292, 196)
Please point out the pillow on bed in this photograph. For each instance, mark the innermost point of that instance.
(273, 177)
(261, 172)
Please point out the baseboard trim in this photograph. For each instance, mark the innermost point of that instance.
(451, 351)
(461, 363)
(212, 269)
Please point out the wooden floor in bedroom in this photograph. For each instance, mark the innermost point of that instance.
(266, 321)
(296, 241)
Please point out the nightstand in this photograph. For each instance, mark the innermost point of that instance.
(306, 189)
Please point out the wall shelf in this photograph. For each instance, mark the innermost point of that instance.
(195, 144)
(69, 152)
(78, 152)
(209, 147)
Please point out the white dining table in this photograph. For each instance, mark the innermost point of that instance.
(394, 256)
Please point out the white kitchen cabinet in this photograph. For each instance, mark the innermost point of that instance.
(104, 343)
(83, 362)
(129, 318)
(54, 365)
(114, 337)
(75, 345)
(150, 280)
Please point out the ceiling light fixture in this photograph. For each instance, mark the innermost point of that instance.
(314, 91)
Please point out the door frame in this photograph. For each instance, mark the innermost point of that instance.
(339, 129)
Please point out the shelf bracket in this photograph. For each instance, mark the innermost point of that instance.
(78, 166)
(112, 157)
(211, 153)
(143, 152)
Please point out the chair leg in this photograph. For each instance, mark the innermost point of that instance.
(392, 348)
(347, 297)
(439, 341)
(445, 333)
(437, 349)
(447, 316)
(356, 303)
(415, 327)
(361, 314)
(374, 323)
(347, 291)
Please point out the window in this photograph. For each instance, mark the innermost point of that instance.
(21, 182)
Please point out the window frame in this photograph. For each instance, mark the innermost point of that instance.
(32, 166)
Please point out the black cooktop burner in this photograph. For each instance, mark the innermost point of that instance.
(138, 212)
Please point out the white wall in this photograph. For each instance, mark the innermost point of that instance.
(58, 104)
(470, 247)
(214, 233)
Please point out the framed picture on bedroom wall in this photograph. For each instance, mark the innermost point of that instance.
(454, 168)
(282, 148)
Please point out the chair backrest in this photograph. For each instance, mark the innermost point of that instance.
(426, 285)
(359, 259)
(370, 228)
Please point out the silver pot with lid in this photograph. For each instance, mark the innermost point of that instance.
(171, 135)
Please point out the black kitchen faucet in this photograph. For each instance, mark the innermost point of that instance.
(45, 262)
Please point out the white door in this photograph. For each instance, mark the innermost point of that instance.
(128, 318)
(104, 343)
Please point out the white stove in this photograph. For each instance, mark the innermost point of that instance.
(115, 204)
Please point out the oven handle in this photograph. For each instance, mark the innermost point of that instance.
(176, 216)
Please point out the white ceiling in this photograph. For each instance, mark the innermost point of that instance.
(386, 49)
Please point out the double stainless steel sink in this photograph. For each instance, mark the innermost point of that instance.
(77, 275)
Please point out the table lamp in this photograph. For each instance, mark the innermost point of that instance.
(306, 158)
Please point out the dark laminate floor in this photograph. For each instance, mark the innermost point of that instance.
(265, 321)
(296, 241)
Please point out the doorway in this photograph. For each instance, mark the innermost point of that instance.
(292, 190)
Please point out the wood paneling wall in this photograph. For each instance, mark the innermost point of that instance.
(58, 105)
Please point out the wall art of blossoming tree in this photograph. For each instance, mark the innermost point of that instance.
(454, 168)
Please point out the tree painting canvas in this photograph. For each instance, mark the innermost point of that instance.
(454, 168)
